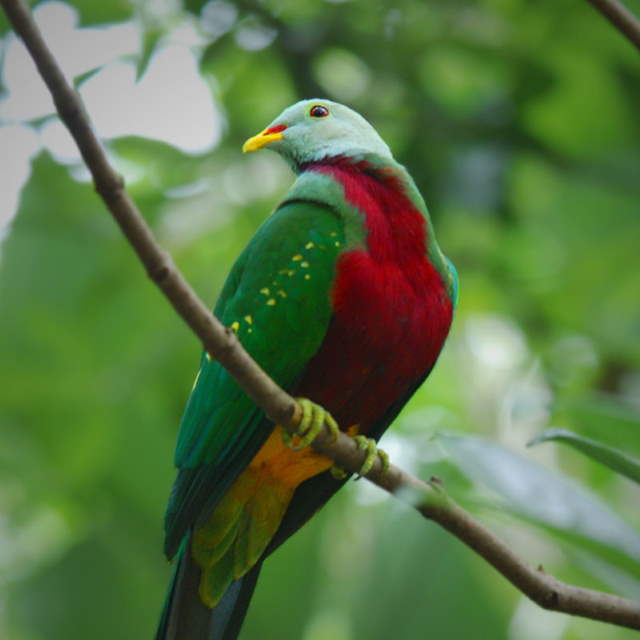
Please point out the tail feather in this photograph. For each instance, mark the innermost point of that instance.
(185, 617)
(229, 543)
(220, 558)
(232, 608)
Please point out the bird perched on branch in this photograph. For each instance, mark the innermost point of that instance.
(345, 299)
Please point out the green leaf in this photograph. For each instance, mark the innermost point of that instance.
(615, 459)
(150, 42)
(80, 79)
(4, 24)
(536, 493)
(603, 417)
(96, 13)
(194, 6)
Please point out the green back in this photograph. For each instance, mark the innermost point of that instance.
(277, 299)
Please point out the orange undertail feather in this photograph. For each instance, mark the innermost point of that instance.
(234, 536)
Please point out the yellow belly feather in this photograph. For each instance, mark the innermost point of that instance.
(241, 526)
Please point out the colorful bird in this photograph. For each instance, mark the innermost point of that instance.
(344, 297)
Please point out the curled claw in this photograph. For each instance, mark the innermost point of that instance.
(384, 458)
(313, 419)
(369, 444)
(338, 473)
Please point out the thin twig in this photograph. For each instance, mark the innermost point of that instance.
(428, 498)
(433, 503)
(621, 18)
(219, 341)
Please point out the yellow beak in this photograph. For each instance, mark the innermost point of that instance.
(261, 140)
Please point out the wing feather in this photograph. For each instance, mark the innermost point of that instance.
(277, 298)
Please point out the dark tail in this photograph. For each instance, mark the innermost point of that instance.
(184, 617)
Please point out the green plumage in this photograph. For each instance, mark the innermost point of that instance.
(278, 294)
(357, 341)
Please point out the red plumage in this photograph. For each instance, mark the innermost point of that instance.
(380, 311)
(392, 312)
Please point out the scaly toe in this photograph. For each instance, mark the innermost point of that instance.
(384, 458)
(338, 473)
(314, 417)
(287, 438)
(368, 444)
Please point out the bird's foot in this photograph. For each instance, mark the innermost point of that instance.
(314, 417)
(368, 444)
(371, 447)
(338, 473)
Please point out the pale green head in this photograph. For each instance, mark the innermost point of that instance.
(312, 130)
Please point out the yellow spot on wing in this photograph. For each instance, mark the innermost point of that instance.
(282, 293)
(291, 272)
(309, 245)
(265, 291)
(333, 234)
(235, 326)
(271, 302)
(297, 257)
(304, 264)
(307, 276)
(336, 243)
(248, 319)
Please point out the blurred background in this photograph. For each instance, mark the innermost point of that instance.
(519, 122)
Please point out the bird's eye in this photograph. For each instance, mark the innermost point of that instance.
(318, 111)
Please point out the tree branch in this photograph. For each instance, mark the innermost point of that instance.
(621, 18)
(428, 498)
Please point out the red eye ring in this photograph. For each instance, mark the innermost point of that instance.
(318, 111)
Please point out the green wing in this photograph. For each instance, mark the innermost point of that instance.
(277, 298)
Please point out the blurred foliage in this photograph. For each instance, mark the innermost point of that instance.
(519, 123)
(612, 458)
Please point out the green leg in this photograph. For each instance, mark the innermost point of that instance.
(372, 453)
(371, 447)
(314, 417)
(338, 473)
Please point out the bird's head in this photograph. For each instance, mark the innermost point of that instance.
(312, 130)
